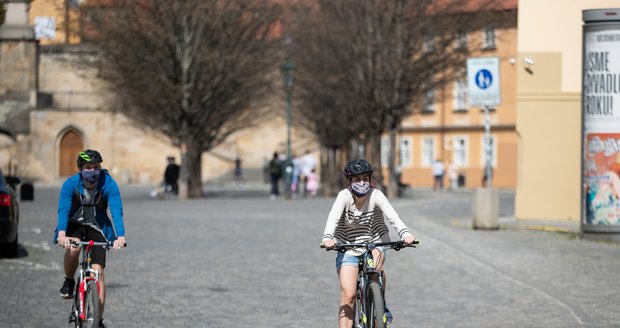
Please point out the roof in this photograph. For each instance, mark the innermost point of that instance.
(474, 5)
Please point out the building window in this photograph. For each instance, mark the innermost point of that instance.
(429, 100)
(461, 40)
(489, 37)
(460, 95)
(428, 40)
(460, 151)
(428, 150)
(405, 151)
(493, 152)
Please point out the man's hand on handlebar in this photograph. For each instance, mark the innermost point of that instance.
(120, 243)
(64, 241)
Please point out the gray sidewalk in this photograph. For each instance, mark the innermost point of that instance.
(236, 258)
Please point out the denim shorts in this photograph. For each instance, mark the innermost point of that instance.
(352, 260)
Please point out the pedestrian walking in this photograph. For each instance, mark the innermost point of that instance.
(438, 173)
(312, 183)
(171, 175)
(296, 176)
(275, 170)
(308, 163)
(238, 173)
(453, 176)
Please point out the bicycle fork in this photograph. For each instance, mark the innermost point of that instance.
(361, 315)
(361, 308)
(85, 277)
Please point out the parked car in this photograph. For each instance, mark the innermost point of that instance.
(9, 215)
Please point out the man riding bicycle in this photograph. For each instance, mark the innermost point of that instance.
(82, 215)
(357, 216)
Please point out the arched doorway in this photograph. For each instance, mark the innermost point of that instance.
(70, 146)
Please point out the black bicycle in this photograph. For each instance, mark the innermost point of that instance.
(85, 309)
(369, 301)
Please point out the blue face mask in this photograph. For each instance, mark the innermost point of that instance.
(90, 176)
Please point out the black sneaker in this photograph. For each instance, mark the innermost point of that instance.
(101, 325)
(66, 291)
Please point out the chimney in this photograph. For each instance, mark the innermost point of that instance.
(16, 26)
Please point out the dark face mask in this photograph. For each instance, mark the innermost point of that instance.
(90, 176)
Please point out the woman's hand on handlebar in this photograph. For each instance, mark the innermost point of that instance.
(408, 239)
(329, 243)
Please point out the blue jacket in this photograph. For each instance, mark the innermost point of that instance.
(68, 205)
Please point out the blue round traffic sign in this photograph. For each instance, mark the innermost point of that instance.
(484, 79)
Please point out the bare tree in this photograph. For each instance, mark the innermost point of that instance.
(324, 101)
(370, 59)
(194, 71)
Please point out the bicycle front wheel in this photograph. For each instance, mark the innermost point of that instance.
(375, 307)
(91, 306)
(359, 319)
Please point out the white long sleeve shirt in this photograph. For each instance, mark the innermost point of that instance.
(350, 225)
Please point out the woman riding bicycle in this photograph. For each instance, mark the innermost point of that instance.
(357, 216)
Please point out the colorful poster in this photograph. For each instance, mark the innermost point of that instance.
(601, 122)
(602, 179)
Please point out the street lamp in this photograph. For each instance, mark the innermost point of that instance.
(287, 71)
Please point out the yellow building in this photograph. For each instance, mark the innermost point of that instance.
(549, 108)
(453, 132)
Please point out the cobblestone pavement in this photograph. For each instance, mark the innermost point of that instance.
(238, 259)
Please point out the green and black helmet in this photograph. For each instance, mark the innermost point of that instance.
(88, 156)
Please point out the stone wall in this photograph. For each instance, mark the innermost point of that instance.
(18, 66)
(131, 154)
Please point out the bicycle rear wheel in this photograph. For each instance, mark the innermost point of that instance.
(91, 306)
(375, 307)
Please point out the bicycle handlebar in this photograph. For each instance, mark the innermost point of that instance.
(108, 244)
(396, 245)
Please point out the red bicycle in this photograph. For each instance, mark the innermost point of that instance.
(85, 309)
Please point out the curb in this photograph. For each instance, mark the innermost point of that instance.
(519, 226)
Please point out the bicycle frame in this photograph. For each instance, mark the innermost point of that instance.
(367, 274)
(86, 274)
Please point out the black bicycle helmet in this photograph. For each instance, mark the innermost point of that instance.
(357, 166)
(88, 156)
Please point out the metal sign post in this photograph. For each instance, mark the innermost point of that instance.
(484, 91)
(487, 146)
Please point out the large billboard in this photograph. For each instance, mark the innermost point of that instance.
(601, 121)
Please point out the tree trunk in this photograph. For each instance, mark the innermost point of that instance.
(190, 185)
(194, 168)
(373, 155)
(331, 175)
(392, 186)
